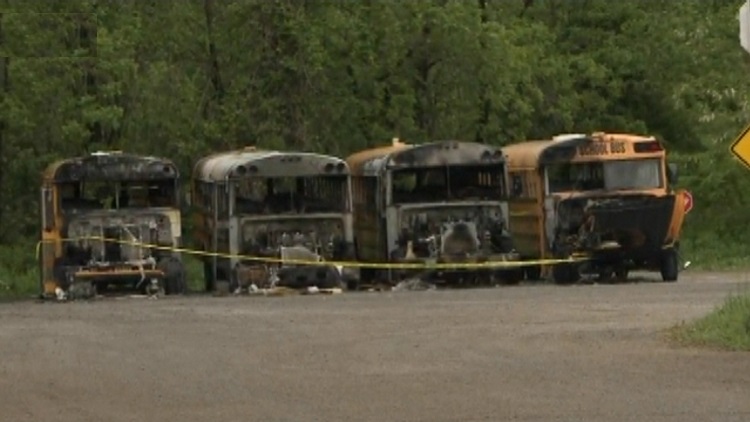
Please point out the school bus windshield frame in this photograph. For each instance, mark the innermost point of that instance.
(604, 164)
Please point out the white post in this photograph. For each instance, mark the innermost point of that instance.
(744, 18)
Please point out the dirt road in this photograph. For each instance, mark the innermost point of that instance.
(525, 353)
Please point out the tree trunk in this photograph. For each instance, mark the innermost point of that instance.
(484, 100)
(423, 110)
(213, 61)
(86, 39)
(4, 90)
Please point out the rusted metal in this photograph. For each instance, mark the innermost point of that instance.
(279, 204)
(455, 209)
(97, 213)
(111, 166)
(619, 209)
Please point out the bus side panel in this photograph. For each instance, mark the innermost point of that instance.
(525, 226)
(367, 227)
(50, 242)
(526, 213)
(367, 232)
(50, 247)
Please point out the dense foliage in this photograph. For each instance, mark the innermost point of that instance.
(182, 78)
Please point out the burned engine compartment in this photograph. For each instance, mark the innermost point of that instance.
(301, 239)
(634, 224)
(452, 232)
(127, 229)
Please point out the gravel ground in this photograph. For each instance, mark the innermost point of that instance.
(523, 353)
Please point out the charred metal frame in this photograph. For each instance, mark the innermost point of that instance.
(445, 216)
(252, 231)
(73, 249)
(607, 225)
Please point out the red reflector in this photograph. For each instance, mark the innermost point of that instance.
(650, 146)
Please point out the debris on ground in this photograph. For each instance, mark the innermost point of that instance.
(253, 290)
(415, 284)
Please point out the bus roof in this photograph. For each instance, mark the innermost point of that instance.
(532, 154)
(110, 166)
(436, 153)
(265, 163)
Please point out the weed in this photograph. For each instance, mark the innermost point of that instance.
(727, 327)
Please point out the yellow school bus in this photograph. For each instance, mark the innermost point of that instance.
(435, 202)
(604, 197)
(97, 212)
(254, 203)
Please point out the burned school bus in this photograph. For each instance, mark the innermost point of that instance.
(437, 202)
(101, 216)
(606, 198)
(255, 206)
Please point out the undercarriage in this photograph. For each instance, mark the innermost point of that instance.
(295, 252)
(473, 236)
(614, 235)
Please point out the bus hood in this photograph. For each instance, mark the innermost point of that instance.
(631, 221)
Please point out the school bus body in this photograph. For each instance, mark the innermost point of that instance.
(274, 205)
(436, 202)
(604, 196)
(100, 215)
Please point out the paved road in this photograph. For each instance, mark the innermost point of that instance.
(525, 353)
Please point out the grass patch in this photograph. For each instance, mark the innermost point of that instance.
(19, 272)
(193, 272)
(708, 253)
(726, 327)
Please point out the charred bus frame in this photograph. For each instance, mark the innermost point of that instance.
(100, 214)
(437, 202)
(266, 204)
(606, 198)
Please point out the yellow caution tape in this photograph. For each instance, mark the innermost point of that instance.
(351, 264)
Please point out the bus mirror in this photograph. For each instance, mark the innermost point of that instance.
(48, 209)
(672, 173)
(187, 199)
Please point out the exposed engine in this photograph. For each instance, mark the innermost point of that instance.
(127, 231)
(456, 232)
(117, 248)
(295, 240)
(323, 237)
(623, 222)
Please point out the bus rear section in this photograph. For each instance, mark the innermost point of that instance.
(273, 219)
(604, 199)
(110, 220)
(437, 204)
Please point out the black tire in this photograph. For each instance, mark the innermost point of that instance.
(565, 273)
(174, 275)
(208, 277)
(533, 273)
(511, 277)
(622, 274)
(605, 276)
(669, 265)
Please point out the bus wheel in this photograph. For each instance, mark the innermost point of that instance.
(621, 273)
(533, 273)
(605, 275)
(565, 273)
(511, 276)
(208, 277)
(174, 276)
(669, 265)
